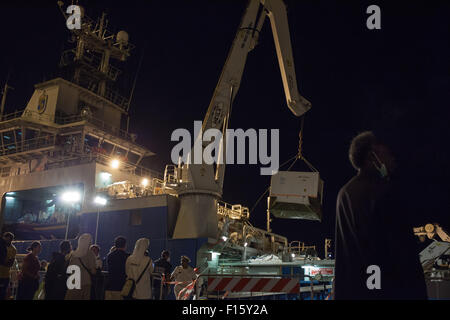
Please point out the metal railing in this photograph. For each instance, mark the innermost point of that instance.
(106, 160)
(98, 123)
(13, 115)
(70, 119)
(298, 247)
(232, 211)
(27, 145)
(90, 60)
(170, 174)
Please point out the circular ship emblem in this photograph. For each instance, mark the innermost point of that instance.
(42, 104)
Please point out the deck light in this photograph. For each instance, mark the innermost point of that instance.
(100, 200)
(105, 175)
(144, 182)
(115, 164)
(71, 196)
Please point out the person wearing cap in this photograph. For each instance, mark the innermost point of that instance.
(29, 276)
(164, 268)
(115, 264)
(7, 257)
(184, 274)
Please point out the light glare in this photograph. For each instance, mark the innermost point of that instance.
(100, 200)
(71, 196)
(115, 164)
(105, 175)
(144, 182)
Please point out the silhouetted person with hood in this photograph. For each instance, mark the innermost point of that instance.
(372, 230)
(56, 275)
(85, 260)
(140, 267)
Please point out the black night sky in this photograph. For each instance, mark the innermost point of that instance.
(395, 81)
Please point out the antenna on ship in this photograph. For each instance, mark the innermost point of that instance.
(132, 89)
(90, 61)
(4, 93)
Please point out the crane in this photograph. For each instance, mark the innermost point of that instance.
(199, 186)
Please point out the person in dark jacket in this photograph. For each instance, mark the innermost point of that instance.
(7, 257)
(375, 250)
(164, 268)
(29, 276)
(56, 276)
(115, 261)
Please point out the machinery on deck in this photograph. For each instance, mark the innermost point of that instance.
(435, 259)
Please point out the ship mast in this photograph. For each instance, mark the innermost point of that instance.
(91, 59)
(4, 93)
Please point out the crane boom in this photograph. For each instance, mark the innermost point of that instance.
(280, 30)
(197, 215)
(245, 40)
(228, 85)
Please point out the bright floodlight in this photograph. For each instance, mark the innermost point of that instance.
(115, 164)
(293, 255)
(100, 200)
(245, 244)
(71, 196)
(144, 182)
(224, 238)
(105, 175)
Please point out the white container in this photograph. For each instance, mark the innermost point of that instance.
(296, 195)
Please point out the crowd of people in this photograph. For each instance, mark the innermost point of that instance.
(150, 280)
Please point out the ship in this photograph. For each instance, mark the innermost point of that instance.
(70, 164)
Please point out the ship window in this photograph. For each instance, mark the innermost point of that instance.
(38, 214)
(90, 144)
(107, 147)
(30, 134)
(132, 157)
(5, 172)
(135, 218)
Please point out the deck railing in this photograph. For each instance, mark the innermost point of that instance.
(71, 119)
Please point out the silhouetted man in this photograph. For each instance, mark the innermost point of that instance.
(372, 230)
(163, 267)
(7, 258)
(116, 260)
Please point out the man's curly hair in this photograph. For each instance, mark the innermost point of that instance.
(360, 148)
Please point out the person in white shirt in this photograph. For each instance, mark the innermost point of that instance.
(184, 274)
(96, 251)
(138, 263)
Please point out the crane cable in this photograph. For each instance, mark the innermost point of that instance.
(300, 149)
(298, 156)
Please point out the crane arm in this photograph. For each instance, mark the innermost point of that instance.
(280, 30)
(219, 109)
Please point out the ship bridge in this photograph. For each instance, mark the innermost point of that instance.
(65, 133)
